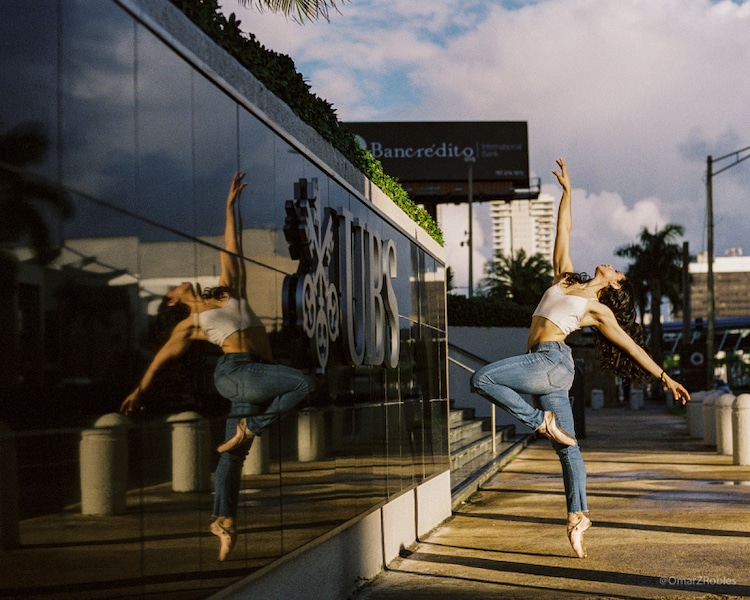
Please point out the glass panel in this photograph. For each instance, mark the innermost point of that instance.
(214, 163)
(98, 109)
(148, 148)
(165, 138)
(29, 75)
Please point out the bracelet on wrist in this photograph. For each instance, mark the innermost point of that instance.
(663, 376)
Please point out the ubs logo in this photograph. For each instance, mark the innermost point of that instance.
(342, 290)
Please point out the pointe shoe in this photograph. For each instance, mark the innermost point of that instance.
(576, 529)
(240, 441)
(549, 428)
(227, 537)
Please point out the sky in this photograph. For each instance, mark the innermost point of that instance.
(633, 94)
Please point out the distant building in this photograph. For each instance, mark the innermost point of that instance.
(527, 224)
(731, 285)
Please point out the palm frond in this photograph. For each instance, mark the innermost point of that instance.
(300, 10)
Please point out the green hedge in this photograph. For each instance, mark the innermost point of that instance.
(278, 73)
(482, 311)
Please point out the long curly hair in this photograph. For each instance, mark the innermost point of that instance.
(611, 356)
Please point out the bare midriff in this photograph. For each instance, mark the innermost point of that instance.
(543, 330)
(253, 340)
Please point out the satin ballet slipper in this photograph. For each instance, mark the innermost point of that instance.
(240, 441)
(578, 524)
(549, 428)
(227, 537)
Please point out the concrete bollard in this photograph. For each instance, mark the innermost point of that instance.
(724, 424)
(258, 461)
(709, 417)
(636, 398)
(10, 535)
(104, 465)
(741, 430)
(694, 414)
(310, 436)
(191, 452)
(597, 399)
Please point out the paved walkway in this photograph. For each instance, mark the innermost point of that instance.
(671, 520)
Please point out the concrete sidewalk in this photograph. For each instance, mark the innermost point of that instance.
(671, 520)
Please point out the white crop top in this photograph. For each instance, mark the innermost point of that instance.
(219, 323)
(564, 310)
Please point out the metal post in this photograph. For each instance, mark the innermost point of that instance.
(686, 316)
(710, 251)
(471, 160)
(710, 277)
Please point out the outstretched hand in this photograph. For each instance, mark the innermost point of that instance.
(235, 188)
(132, 403)
(562, 174)
(678, 391)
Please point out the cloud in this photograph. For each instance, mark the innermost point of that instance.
(607, 212)
(634, 94)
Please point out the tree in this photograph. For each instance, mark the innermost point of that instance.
(520, 278)
(310, 10)
(656, 272)
(24, 198)
(449, 280)
(24, 202)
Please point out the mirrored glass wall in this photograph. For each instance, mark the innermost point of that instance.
(117, 154)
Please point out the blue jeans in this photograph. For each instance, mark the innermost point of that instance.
(261, 393)
(545, 373)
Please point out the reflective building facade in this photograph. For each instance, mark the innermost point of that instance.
(144, 127)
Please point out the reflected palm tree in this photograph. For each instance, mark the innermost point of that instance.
(23, 196)
(24, 201)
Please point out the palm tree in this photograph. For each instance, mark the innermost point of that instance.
(309, 10)
(23, 203)
(520, 278)
(656, 272)
(22, 196)
(640, 290)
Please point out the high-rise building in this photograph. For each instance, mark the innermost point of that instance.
(527, 224)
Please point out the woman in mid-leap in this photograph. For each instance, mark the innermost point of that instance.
(575, 300)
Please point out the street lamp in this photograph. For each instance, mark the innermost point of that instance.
(470, 160)
(710, 251)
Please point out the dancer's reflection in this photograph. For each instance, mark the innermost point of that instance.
(259, 390)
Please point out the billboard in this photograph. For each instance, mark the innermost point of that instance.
(438, 151)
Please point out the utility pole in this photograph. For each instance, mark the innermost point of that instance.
(710, 305)
(470, 160)
(710, 276)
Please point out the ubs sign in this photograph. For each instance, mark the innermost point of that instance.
(342, 290)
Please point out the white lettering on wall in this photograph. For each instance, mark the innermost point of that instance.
(343, 287)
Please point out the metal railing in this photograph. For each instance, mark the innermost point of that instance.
(493, 418)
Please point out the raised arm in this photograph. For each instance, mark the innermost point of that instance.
(561, 261)
(232, 268)
(604, 320)
(179, 341)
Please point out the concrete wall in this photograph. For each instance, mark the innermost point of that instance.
(475, 347)
(334, 566)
